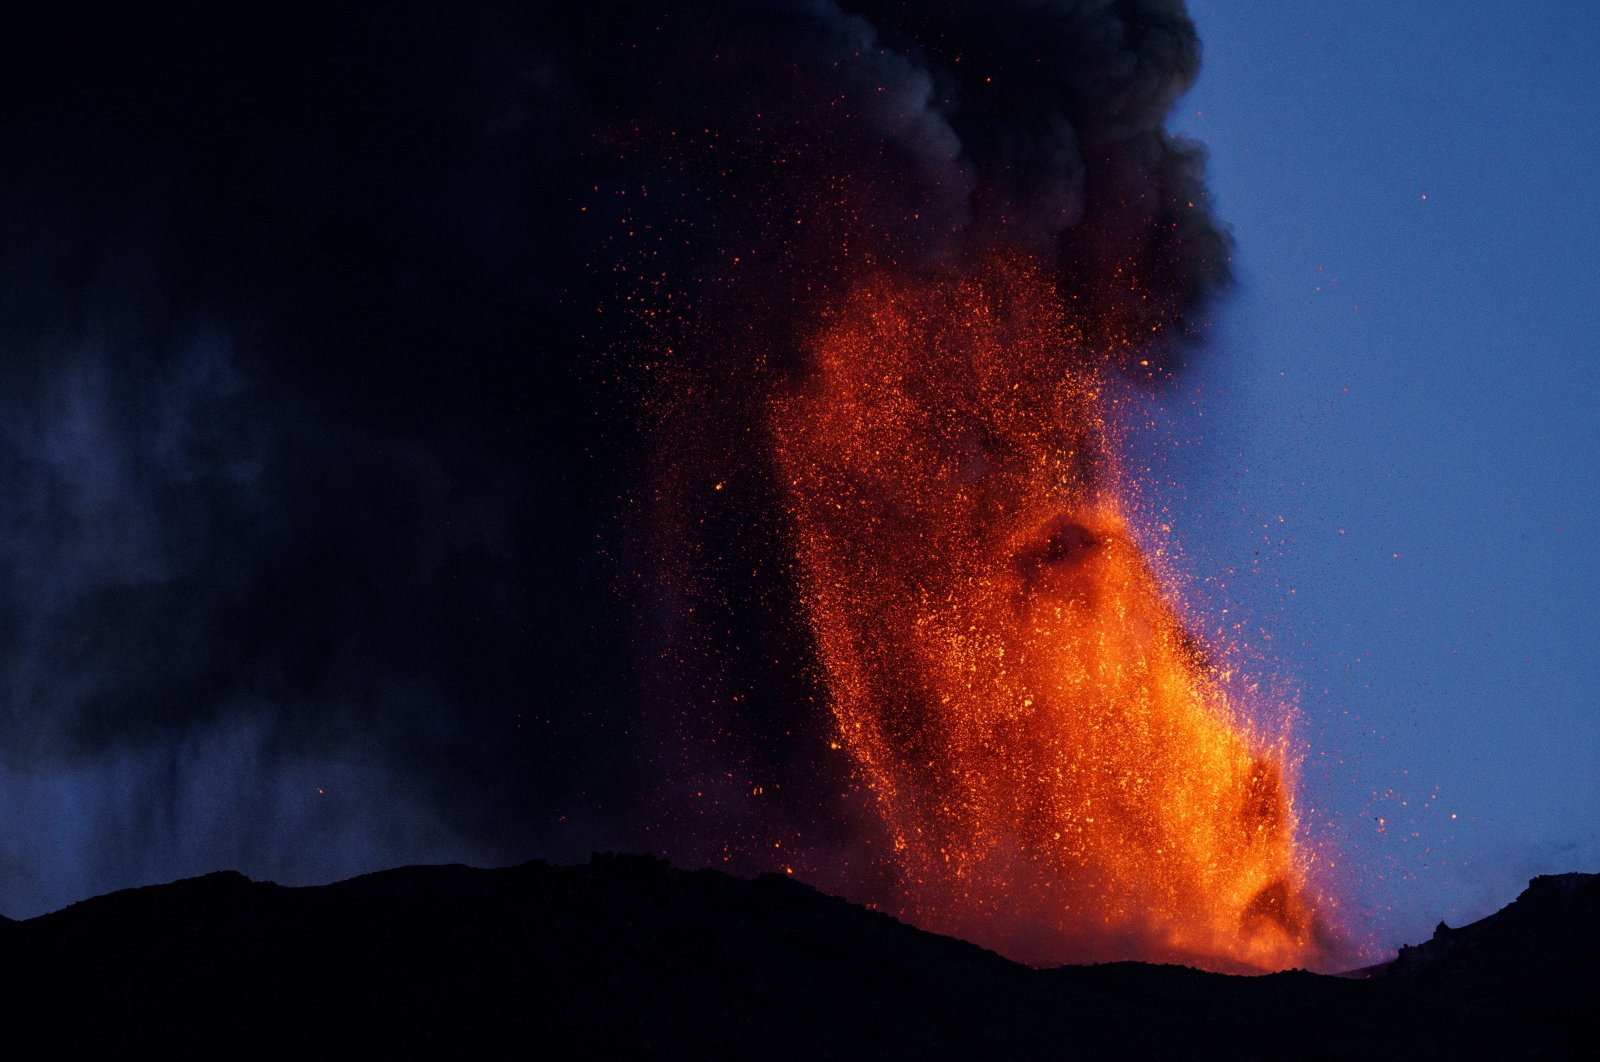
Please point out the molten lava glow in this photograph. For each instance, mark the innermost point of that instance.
(1060, 774)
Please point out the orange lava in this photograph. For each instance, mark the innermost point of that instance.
(1060, 773)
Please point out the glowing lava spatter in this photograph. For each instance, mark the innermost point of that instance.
(1060, 774)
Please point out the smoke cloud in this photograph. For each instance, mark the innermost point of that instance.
(377, 391)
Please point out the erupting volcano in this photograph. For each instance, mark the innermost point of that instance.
(574, 420)
(1060, 772)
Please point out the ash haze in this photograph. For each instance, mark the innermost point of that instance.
(337, 527)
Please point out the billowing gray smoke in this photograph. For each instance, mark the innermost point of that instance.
(335, 480)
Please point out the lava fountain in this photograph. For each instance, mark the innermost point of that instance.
(1059, 772)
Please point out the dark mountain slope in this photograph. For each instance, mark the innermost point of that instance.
(629, 956)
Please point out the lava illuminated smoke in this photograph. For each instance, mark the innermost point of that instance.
(915, 246)
(1059, 771)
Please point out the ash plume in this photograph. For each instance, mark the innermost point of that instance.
(376, 394)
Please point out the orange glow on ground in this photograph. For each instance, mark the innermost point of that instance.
(1060, 774)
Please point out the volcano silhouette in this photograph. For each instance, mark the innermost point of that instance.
(627, 956)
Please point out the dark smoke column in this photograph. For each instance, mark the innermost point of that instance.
(814, 147)
(385, 397)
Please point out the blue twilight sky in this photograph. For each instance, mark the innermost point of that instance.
(1399, 412)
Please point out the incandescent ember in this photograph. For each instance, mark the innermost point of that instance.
(1059, 772)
